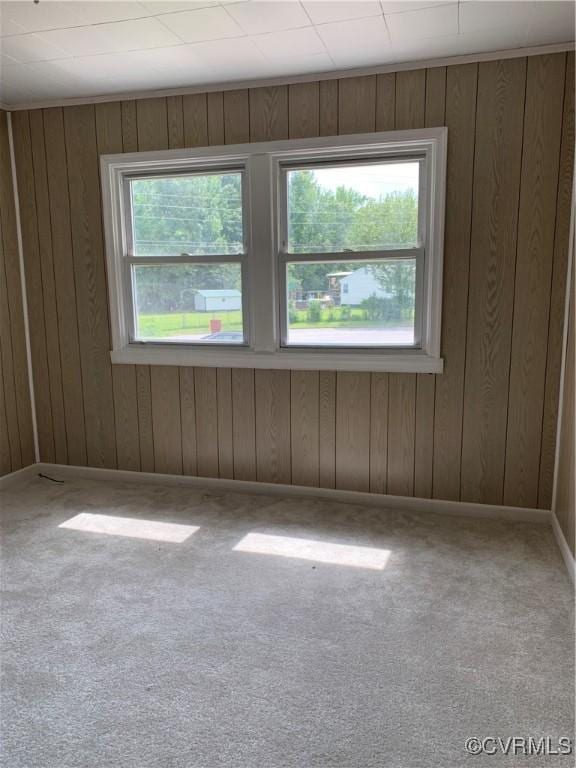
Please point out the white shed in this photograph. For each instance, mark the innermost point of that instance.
(214, 300)
(360, 285)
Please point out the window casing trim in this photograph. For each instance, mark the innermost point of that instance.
(263, 259)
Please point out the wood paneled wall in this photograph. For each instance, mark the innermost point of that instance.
(16, 437)
(565, 506)
(482, 431)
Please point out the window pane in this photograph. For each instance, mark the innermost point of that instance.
(348, 305)
(200, 214)
(194, 303)
(367, 207)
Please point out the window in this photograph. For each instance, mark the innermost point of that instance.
(316, 253)
(366, 213)
(185, 257)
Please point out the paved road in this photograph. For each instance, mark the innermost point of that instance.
(401, 336)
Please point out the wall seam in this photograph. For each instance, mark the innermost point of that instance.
(467, 319)
(57, 314)
(551, 281)
(567, 304)
(521, 488)
(23, 288)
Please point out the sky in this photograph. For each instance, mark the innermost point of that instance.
(373, 181)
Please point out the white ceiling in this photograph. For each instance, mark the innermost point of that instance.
(53, 50)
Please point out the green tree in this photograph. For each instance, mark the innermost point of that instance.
(388, 223)
(398, 280)
(202, 214)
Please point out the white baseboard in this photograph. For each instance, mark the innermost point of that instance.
(14, 478)
(565, 551)
(384, 501)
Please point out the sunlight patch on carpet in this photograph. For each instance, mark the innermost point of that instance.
(131, 527)
(319, 551)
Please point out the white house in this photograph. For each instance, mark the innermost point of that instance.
(360, 285)
(214, 300)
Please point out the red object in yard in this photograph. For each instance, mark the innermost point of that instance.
(215, 326)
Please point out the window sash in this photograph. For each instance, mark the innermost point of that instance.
(285, 257)
(211, 170)
(131, 260)
(283, 168)
(416, 254)
(131, 307)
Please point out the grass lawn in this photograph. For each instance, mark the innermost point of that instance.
(183, 323)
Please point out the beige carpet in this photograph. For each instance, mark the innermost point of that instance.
(272, 632)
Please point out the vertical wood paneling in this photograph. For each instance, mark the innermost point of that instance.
(57, 173)
(166, 422)
(175, 113)
(110, 140)
(539, 183)
(89, 271)
(12, 311)
(108, 118)
(215, 119)
(225, 424)
(565, 501)
(410, 99)
(152, 124)
(7, 342)
(501, 87)
(557, 293)
(329, 108)
(424, 436)
(357, 104)
(10, 416)
(435, 97)
(195, 108)
(243, 424)
(305, 427)
(472, 431)
(188, 418)
(126, 416)
(206, 421)
(378, 432)
(386, 101)
(461, 83)
(401, 433)
(304, 110)
(353, 431)
(269, 113)
(272, 397)
(48, 286)
(37, 318)
(129, 126)
(327, 429)
(5, 455)
(145, 426)
(236, 117)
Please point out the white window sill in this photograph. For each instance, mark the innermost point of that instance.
(406, 361)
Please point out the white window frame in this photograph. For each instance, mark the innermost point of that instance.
(263, 263)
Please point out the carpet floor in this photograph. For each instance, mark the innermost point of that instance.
(273, 632)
